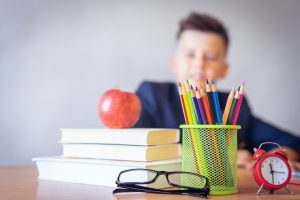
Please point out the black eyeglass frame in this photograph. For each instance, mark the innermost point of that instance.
(158, 173)
(136, 187)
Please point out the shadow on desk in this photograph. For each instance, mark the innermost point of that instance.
(22, 183)
(143, 196)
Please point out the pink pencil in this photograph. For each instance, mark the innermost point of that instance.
(239, 103)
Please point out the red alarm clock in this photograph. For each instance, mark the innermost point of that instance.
(271, 171)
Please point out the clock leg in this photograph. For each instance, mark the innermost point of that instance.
(259, 189)
(271, 192)
(291, 193)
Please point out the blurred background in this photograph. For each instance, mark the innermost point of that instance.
(58, 57)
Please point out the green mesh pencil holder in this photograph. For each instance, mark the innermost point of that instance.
(211, 150)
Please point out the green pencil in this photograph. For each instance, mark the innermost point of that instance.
(232, 109)
(188, 92)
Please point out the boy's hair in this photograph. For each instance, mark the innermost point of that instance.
(204, 23)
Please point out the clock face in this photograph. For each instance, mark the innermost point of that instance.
(274, 170)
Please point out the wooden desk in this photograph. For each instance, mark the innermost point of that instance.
(22, 183)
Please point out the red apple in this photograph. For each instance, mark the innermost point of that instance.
(119, 109)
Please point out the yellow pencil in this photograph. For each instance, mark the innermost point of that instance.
(190, 101)
(194, 135)
(186, 104)
(228, 106)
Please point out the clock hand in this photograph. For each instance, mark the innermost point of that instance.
(272, 172)
(279, 172)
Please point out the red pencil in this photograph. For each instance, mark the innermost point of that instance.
(210, 102)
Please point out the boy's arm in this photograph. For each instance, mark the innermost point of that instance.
(261, 131)
(256, 131)
(245, 158)
(146, 96)
(292, 154)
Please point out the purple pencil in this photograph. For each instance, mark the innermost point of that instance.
(201, 106)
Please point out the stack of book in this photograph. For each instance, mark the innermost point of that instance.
(97, 156)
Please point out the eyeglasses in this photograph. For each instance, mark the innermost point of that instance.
(134, 180)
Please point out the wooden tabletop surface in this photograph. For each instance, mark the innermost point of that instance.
(22, 183)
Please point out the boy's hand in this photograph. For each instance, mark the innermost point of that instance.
(293, 157)
(295, 165)
(244, 159)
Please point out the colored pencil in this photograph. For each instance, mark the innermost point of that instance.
(296, 173)
(216, 103)
(197, 143)
(215, 137)
(205, 105)
(209, 120)
(187, 106)
(232, 109)
(238, 105)
(210, 101)
(182, 104)
(213, 153)
(222, 138)
(203, 147)
(188, 92)
(196, 106)
(228, 105)
(201, 107)
(193, 133)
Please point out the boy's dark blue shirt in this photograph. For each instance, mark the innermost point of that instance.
(161, 109)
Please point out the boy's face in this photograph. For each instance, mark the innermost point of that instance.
(199, 56)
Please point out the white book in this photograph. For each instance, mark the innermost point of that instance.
(122, 152)
(98, 172)
(130, 136)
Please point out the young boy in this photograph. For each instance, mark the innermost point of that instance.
(202, 43)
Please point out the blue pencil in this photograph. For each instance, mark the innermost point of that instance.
(222, 135)
(216, 103)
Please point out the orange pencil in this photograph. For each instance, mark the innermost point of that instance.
(182, 104)
(206, 105)
(228, 106)
(215, 154)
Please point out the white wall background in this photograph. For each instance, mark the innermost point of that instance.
(57, 57)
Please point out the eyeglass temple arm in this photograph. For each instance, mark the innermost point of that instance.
(120, 190)
(196, 194)
(138, 188)
(134, 186)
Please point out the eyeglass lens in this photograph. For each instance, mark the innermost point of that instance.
(180, 179)
(139, 176)
(187, 180)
